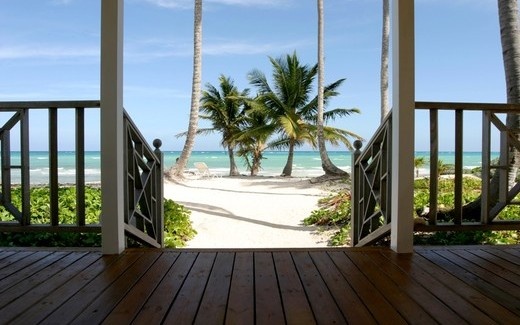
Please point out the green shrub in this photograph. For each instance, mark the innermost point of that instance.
(177, 225)
(335, 211)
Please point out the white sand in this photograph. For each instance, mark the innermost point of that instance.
(250, 212)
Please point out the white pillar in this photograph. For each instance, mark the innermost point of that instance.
(403, 119)
(112, 186)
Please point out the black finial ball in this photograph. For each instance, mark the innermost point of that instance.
(157, 143)
(358, 144)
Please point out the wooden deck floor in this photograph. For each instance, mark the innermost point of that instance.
(456, 285)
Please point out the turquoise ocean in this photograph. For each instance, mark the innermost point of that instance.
(306, 163)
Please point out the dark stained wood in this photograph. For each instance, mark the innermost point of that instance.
(185, 306)
(369, 295)
(214, 302)
(296, 306)
(345, 296)
(268, 307)
(325, 309)
(415, 291)
(461, 306)
(159, 302)
(448, 285)
(241, 302)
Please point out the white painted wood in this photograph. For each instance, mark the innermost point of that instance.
(403, 97)
(112, 215)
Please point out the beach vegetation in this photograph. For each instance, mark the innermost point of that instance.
(335, 212)
(292, 110)
(418, 162)
(177, 225)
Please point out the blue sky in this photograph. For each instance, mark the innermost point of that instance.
(51, 52)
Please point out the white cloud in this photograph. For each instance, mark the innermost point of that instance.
(46, 52)
(188, 4)
(245, 48)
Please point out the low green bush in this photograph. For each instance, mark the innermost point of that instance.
(334, 210)
(177, 224)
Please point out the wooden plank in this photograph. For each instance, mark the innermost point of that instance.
(5, 254)
(213, 305)
(186, 304)
(381, 309)
(513, 251)
(353, 309)
(465, 309)
(429, 303)
(296, 306)
(512, 260)
(268, 303)
(487, 281)
(58, 290)
(241, 303)
(159, 302)
(57, 263)
(34, 305)
(494, 264)
(443, 272)
(24, 268)
(104, 303)
(80, 298)
(128, 308)
(325, 309)
(8, 265)
(399, 299)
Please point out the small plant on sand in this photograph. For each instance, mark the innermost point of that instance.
(334, 211)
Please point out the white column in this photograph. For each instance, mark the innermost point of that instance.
(112, 186)
(403, 118)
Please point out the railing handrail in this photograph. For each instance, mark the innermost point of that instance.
(368, 200)
(467, 106)
(60, 104)
(146, 160)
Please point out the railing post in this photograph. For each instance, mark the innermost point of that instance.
(354, 195)
(159, 190)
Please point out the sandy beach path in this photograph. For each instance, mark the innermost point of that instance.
(249, 212)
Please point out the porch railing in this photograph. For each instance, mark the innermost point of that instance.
(143, 170)
(371, 179)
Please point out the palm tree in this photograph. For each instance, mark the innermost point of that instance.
(385, 106)
(328, 167)
(252, 140)
(195, 93)
(418, 162)
(292, 111)
(225, 109)
(510, 39)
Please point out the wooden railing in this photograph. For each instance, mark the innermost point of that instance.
(371, 184)
(143, 170)
(143, 186)
(371, 179)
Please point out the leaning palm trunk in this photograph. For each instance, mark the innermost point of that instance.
(287, 170)
(510, 38)
(233, 169)
(195, 93)
(328, 167)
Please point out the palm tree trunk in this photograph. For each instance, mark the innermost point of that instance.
(233, 170)
(326, 164)
(287, 170)
(385, 106)
(195, 92)
(510, 39)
